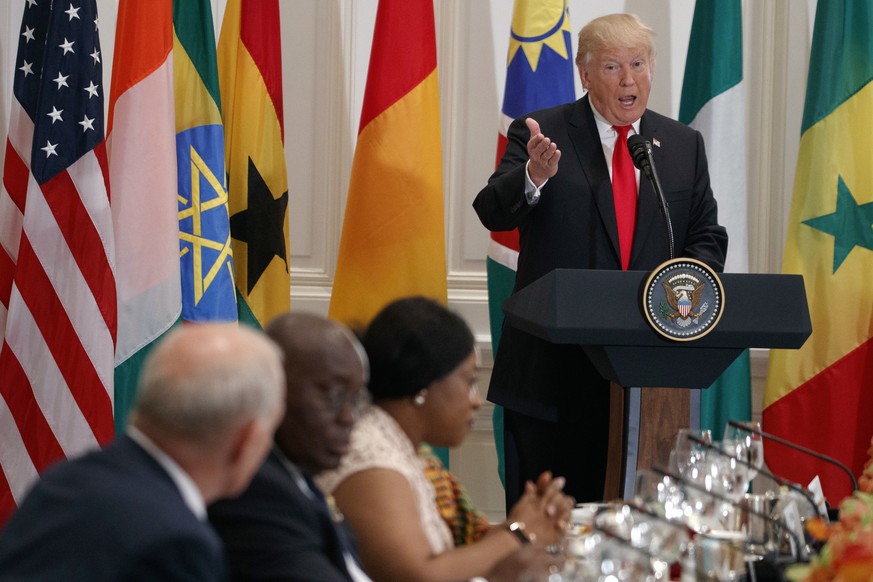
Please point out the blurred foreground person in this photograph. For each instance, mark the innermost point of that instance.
(210, 397)
(423, 373)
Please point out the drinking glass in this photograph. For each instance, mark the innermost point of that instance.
(753, 444)
(687, 452)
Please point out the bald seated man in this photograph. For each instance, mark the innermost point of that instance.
(281, 528)
(210, 398)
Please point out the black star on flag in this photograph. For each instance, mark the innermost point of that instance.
(261, 226)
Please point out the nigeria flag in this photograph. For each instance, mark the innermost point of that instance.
(713, 102)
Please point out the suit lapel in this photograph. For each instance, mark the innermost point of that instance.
(343, 535)
(589, 152)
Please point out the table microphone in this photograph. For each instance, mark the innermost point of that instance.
(797, 447)
(779, 480)
(642, 155)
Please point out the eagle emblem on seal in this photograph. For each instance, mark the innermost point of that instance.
(683, 299)
(683, 293)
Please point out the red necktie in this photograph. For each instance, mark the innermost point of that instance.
(624, 191)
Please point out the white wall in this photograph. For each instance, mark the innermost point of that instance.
(325, 56)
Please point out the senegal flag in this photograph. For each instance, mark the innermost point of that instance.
(393, 238)
(204, 233)
(250, 69)
(820, 396)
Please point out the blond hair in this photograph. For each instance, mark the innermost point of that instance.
(614, 31)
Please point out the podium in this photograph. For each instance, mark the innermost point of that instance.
(602, 311)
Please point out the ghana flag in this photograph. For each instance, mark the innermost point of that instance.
(819, 396)
(393, 238)
(250, 69)
(208, 292)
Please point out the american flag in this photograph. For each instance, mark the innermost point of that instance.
(57, 287)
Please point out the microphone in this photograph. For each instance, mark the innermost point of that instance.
(641, 153)
(796, 447)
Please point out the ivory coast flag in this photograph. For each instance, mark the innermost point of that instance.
(250, 71)
(820, 395)
(539, 74)
(714, 103)
(141, 146)
(208, 291)
(393, 238)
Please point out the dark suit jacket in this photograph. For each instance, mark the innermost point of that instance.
(113, 514)
(574, 226)
(273, 531)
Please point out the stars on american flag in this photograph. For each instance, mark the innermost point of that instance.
(87, 123)
(50, 149)
(61, 80)
(55, 115)
(72, 12)
(67, 45)
(58, 81)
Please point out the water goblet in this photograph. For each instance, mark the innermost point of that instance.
(753, 445)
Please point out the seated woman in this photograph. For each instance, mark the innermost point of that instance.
(423, 384)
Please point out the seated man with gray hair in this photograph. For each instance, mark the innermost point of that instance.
(210, 397)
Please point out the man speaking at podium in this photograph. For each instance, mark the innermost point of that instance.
(568, 184)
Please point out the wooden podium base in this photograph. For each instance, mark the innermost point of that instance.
(643, 423)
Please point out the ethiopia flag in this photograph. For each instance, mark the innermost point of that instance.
(393, 237)
(539, 74)
(208, 292)
(819, 396)
(141, 144)
(250, 69)
(714, 103)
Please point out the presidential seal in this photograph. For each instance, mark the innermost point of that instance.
(683, 299)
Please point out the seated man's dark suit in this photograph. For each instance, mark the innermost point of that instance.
(276, 531)
(113, 514)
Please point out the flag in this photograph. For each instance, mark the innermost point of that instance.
(208, 290)
(57, 286)
(713, 102)
(819, 396)
(539, 74)
(141, 145)
(250, 69)
(393, 236)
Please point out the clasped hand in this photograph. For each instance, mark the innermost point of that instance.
(544, 509)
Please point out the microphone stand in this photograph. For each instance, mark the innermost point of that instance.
(779, 480)
(800, 448)
(643, 158)
(783, 526)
